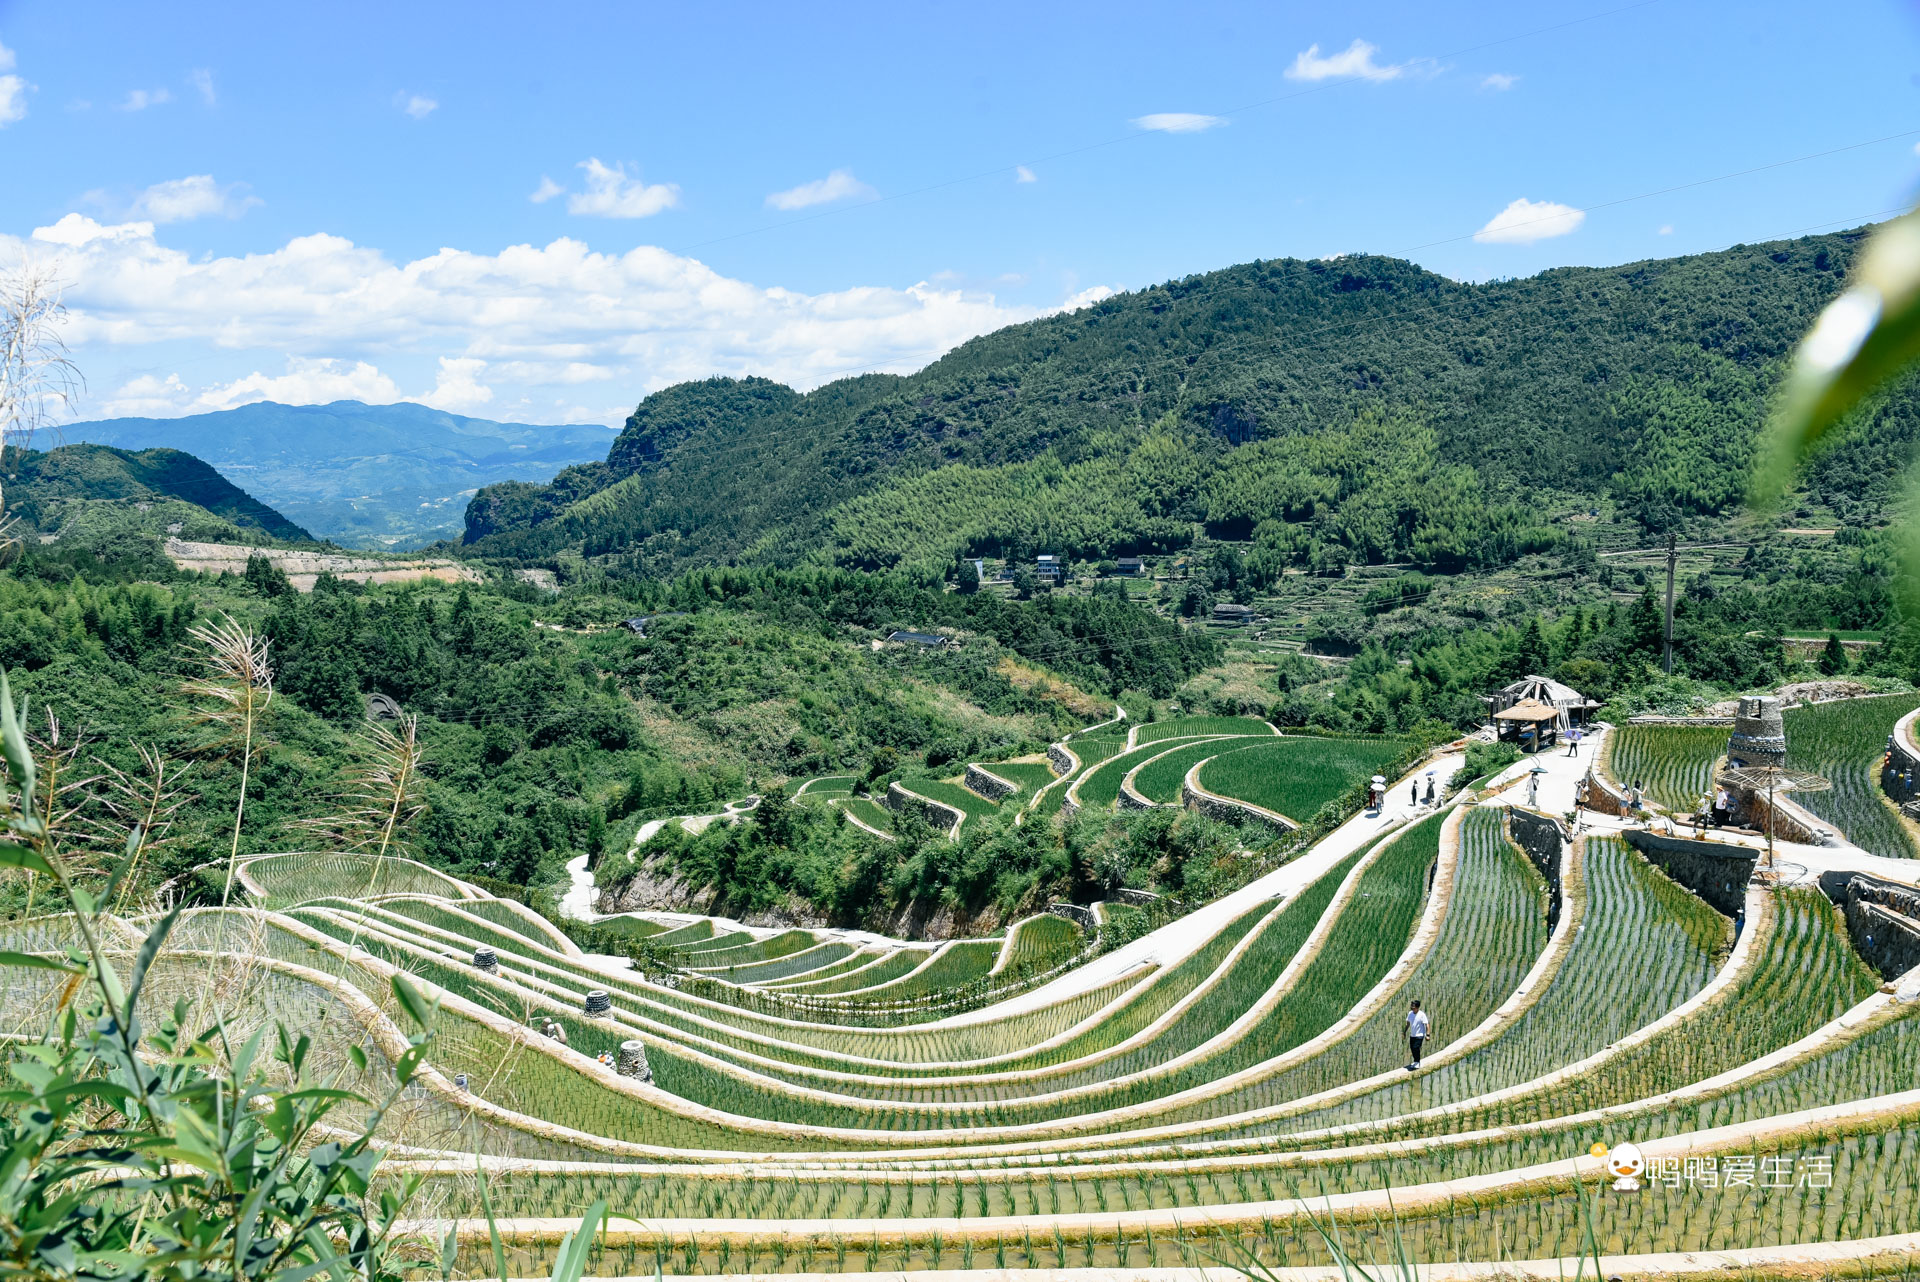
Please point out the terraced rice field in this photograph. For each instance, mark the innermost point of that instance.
(1298, 774)
(1231, 1085)
(1159, 778)
(1031, 776)
(870, 813)
(1845, 741)
(1675, 763)
(1183, 727)
(950, 792)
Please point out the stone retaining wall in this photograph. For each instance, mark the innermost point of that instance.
(938, 813)
(1061, 760)
(1900, 772)
(1227, 809)
(1080, 915)
(1544, 842)
(989, 785)
(1130, 798)
(1718, 874)
(1658, 719)
(1883, 918)
(1791, 821)
(1889, 942)
(1602, 797)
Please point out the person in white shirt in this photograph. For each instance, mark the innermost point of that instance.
(1417, 1026)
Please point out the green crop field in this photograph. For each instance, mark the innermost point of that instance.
(989, 1103)
(1031, 776)
(1182, 727)
(1674, 763)
(870, 813)
(1099, 786)
(1845, 742)
(950, 792)
(1041, 943)
(1297, 775)
(1160, 777)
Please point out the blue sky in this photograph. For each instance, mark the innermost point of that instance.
(303, 203)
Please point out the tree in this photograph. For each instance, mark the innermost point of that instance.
(1025, 582)
(37, 377)
(1833, 659)
(969, 578)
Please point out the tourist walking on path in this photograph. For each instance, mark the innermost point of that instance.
(1417, 1026)
(1573, 743)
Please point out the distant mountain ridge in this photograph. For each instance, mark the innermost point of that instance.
(384, 476)
(1361, 409)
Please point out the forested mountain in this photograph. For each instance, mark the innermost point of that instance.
(51, 490)
(1354, 409)
(361, 475)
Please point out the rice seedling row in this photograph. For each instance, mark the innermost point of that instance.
(1644, 947)
(1160, 778)
(1845, 742)
(1297, 775)
(1181, 727)
(1674, 763)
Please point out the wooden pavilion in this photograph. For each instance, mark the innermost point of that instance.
(1530, 723)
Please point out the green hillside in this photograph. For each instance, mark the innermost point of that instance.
(62, 490)
(1355, 410)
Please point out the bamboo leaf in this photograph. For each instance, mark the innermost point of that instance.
(13, 742)
(418, 1008)
(1861, 340)
(16, 856)
(571, 1262)
(37, 962)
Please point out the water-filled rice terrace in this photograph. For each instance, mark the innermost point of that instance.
(1234, 1086)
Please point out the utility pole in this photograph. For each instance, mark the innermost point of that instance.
(1673, 557)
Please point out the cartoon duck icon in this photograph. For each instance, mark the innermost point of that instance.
(1625, 1163)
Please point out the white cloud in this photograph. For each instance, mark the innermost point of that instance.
(13, 91)
(13, 100)
(202, 81)
(1088, 297)
(141, 99)
(459, 389)
(306, 382)
(148, 396)
(417, 105)
(1499, 80)
(1525, 221)
(1021, 174)
(1666, 229)
(611, 194)
(1177, 122)
(180, 199)
(546, 191)
(1355, 62)
(838, 185)
(545, 320)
